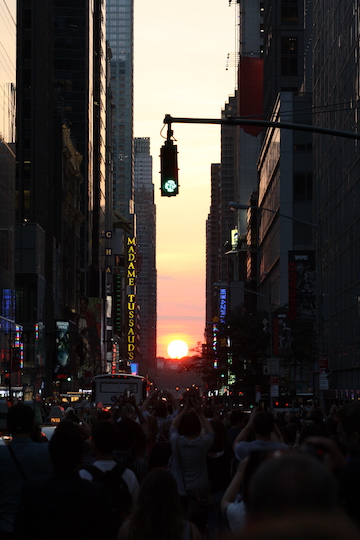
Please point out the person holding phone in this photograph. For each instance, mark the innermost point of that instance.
(191, 437)
(261, 425)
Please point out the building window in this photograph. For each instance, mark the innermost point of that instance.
(303, 186)
(289, 12)
(27, 199)
(289, 56)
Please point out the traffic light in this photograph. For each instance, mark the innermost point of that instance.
(169, 170)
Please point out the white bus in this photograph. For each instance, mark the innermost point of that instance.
(109, 388)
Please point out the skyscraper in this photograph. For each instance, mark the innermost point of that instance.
(336, 94)
(7, 183)
(119, 33)
(146, 289)
(61, 151)
(212, 264)
(271, 51)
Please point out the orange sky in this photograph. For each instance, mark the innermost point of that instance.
(180, 69)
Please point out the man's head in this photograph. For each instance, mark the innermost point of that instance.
(291, 482)
(348, 419)
(66, 447)
(105, 437)
(189, 424)
(160, 409)
(20, 420)
(264, 423)
(298, 526)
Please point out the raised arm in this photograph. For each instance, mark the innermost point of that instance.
(145, 406)
(246, 430)
(234, 486)
(198, 408)
(175, 423)
(172, 400)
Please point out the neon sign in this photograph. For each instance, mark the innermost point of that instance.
(131, 304)
(222, 305)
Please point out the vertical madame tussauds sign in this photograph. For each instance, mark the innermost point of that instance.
(131, 304)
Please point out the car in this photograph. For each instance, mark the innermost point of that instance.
(56, 414)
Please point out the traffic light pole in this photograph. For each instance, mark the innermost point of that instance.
(240, 121)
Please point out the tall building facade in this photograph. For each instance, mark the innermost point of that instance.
(61, 88)
(146, 287)
(336, 93)
(286, 256)
(249, 100)
(212, 251)
(228, 177)
(120, 35)
(306, 274)
(80, 57)
(285, 186)
(272, 169)
(283, 31)
(7, 187)
(213, 259)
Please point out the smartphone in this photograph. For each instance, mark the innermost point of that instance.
(263, 405)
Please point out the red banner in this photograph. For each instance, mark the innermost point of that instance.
(251, 75)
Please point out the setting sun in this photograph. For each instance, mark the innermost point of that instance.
(177, 349)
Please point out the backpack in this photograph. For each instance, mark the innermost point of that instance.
(119, 494)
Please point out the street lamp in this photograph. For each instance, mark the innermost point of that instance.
(238, 206)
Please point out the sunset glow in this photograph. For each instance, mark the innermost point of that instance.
(181, 220)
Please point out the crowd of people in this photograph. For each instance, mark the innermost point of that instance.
(189, 470)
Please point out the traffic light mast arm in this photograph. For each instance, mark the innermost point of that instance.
(239, 121)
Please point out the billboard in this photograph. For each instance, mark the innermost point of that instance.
(302, 285)
(282, 336)
(62, 341)
(87, 348)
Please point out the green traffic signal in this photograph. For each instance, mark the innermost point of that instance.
(169, 170)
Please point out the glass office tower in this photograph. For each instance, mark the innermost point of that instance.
(119, 33)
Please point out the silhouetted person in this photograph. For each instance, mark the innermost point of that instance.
(237, 422)
(121, 482)
(291, 482)
(63, 505)
(158, 514)
(191, 437)
(23, 459)
(261, 425)
(296, 526)
(348, 419)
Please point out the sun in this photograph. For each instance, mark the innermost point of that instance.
(177, 349)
